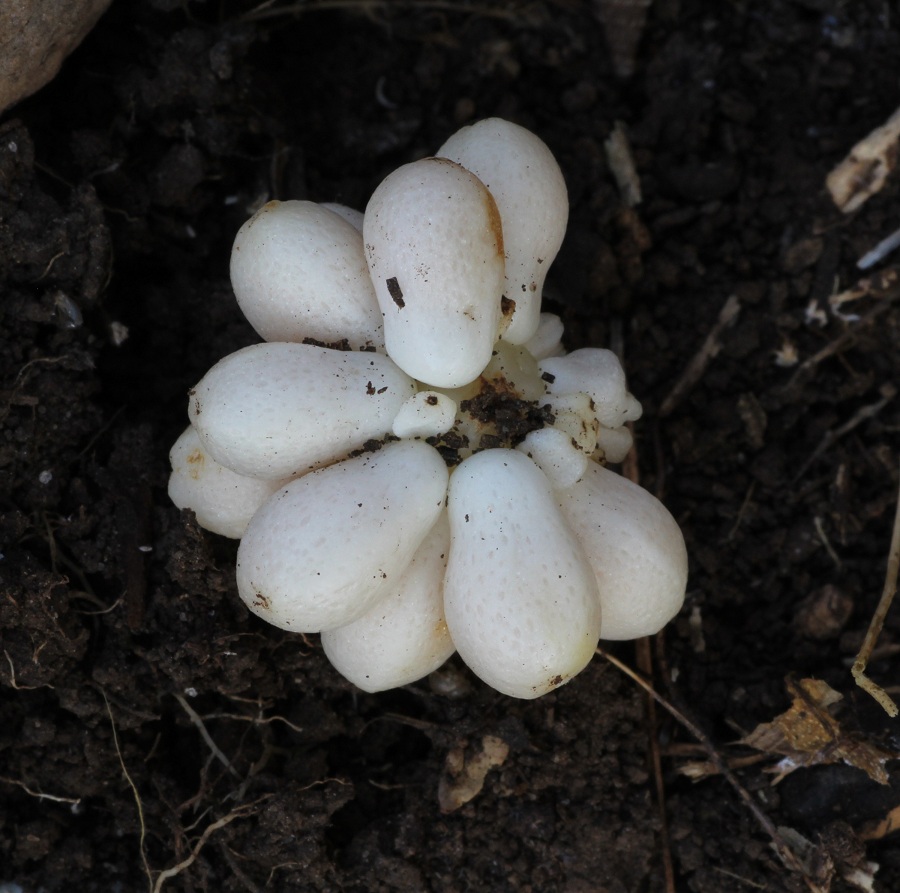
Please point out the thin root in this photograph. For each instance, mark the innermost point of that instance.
(75, 802)
(875, 626)
(239, 813)
(785, 853)
(134, 790)
(707, 353)
(204, 733)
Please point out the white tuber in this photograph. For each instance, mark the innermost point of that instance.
(576, 414)
(635, 548)
(557, 455)
(520, 596)
(437, 486)
(254, 415)
(547, 340)
(404, 636)
(351, 215)
(528, 186)
(435, 249)
(298, 271)
(425, 414)
(613, 444)
(327, 546)
(223, 501)
(598, 373)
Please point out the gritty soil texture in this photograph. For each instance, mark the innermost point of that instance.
(149, 724)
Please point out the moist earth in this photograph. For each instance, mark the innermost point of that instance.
(154, 735)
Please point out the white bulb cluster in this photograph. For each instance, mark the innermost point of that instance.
(412, 463)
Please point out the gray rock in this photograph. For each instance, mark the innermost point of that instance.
(35, 38)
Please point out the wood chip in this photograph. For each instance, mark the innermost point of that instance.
(465, 772)
(621, 163)
(865, 170)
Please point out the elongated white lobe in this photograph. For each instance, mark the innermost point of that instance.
(635, 548)
(434, 245)
(528, 186)
(298, 271)
(404, 636)
(274, 410)
(329, 545)
(520, 597)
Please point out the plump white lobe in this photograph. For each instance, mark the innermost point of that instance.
(635, 548)
(351, 215)
(425, 414)
(576, 415)
(404, 636)
(547, 340)
(434, 245)
(598, 373)
(298, 271)
(275, 410)
(329, 545)
(554, 452)
(520, 596)
(613, 444)
(528, 186)
(223, 501)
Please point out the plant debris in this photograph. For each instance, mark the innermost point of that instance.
(465, 771)
(877, 623)
(807, 734)
(866, 168)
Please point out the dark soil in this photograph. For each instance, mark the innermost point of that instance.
(149, 723)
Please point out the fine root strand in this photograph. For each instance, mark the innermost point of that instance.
(134, 791)
(858, 670)
(175, 870)
(785, 853)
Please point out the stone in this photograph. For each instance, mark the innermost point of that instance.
(35, 38)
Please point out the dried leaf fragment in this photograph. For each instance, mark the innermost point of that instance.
(621, 163)
(838, 853)
(866, 168)
(879, 828)
(807, 734)
(464, 773)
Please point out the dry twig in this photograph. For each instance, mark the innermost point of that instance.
(849, 336)
(832, 436)
(644, 661)
(621, 163)
(708, 351)
(785, 853)
(884, 603)
(865, 170)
